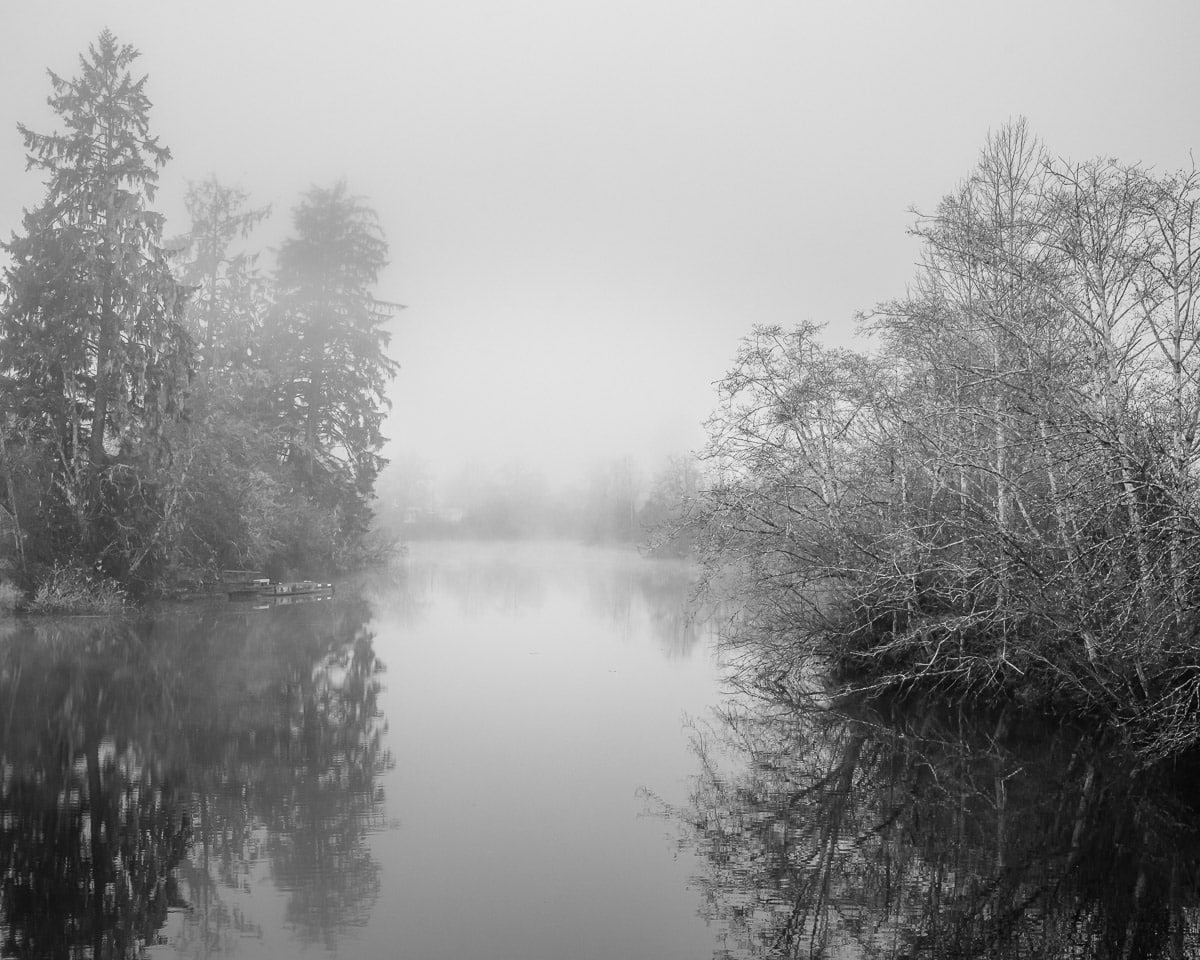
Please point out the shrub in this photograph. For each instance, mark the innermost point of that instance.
(73, 590)
(10, 596)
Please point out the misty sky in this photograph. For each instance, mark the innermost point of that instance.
(590, 201)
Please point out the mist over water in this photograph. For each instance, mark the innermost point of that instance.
(525, 752)
(543, 689)
(518, 740)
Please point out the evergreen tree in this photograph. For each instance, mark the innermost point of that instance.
(228, 293)
(329, 344)
(91, 334)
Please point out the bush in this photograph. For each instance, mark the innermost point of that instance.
(10, 596)
(73, 590)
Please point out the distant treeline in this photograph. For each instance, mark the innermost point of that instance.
(166, 407)
(613, 502)
(1000, 497)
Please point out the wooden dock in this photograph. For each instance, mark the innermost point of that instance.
(247, 585)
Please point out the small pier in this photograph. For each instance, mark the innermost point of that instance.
(251, 585)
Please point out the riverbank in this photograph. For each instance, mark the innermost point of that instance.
(996, 493)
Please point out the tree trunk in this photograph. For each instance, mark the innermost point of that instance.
(106, 350)
(12, 504)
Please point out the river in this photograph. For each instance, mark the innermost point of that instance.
(465, 755)
(529, 751)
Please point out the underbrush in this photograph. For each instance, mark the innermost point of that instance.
(73, 590)
(10, 596)
(1142, 687)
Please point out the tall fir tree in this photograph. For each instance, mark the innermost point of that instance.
(329, 342)
(91, 334)
(225, 310)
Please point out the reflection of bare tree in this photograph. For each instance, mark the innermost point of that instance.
(936, 837)
(166, 761)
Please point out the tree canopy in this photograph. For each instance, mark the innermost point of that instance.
(999, 499)
(329, 349)
(166, 406)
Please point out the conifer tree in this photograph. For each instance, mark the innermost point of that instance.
(226, 306)
(330, 349)
(89, 273)
(91, 334)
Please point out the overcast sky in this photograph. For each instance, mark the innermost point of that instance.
(590, 201)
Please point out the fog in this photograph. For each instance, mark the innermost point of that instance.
(587, 202)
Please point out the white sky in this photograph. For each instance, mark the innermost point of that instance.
(590, 201)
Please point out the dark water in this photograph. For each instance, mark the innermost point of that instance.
(922, 833)
(525, 752)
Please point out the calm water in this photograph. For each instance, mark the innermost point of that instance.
(497, 751)
(469, 755)
(926, 833)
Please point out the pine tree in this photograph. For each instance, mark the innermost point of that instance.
(330, 347)
(91, 334)
(228, 293)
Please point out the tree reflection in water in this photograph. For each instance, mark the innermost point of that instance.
(159, 763)
(624, 590)
(919, 835)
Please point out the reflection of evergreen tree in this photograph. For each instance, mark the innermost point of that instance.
(89, 831)
(88, 865)
(292, 747)
(321, 799)
(937, 838)
(157, 763)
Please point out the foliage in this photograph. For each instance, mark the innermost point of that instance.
(228, 295)
(91, 338)
(72, 590)
(10, 596)
(164, 405)
(328, 346)
(666, 516)
(91, 330)
(1000, 499)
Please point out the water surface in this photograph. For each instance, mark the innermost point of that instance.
(526, 751)
(465, 755)
(922, 831)
(533, 695)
